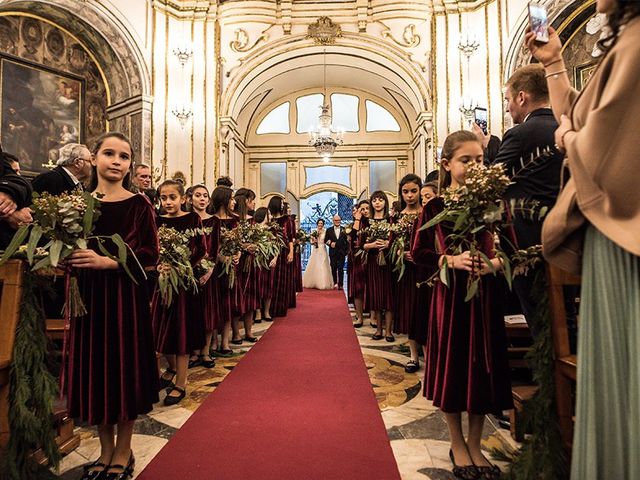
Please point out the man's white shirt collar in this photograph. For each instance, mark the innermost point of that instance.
(73, 177)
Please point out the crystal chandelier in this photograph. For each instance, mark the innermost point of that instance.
(324, 138)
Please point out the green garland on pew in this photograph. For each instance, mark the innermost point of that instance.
(542, 455)
(32, 392)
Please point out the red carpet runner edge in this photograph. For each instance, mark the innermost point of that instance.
(298, 406)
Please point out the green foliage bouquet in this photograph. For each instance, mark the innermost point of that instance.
(377, 231)
(402, 236)
(302, 237)
(175, 270)
(66, 223)
(260, 243)
(231, 243)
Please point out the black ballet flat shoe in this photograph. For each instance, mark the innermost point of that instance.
(94, 474)
(357, 325)
(164, 382)
(375, 336)
(224, 353)
(468, 472)
(374, 325)
(208, 363)
(268, 319)
(251, 339)
(125, 473)
(237, 342)
(412, 366)
(492, 472)
(197, 362)
(390, 338)
(174, 399)
(257, 321)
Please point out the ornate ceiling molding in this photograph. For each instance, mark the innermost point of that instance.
(410, 38)
(324, 31)
(241, 43)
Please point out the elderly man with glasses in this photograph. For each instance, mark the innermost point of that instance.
(72, 169)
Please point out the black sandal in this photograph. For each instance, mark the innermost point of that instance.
(251, 339)
(237, 342)
(94, 474)
(174, 399)
(197, 362)
(390, 338)
(375, 336)
(468, 472)
(208, 363)
(125, 474)
(164, 382)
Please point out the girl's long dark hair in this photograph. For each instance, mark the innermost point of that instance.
(409, 178)
(261, 214)
(126, 181)
(220, 197)
(276, 206)
(383, 196)
(242, 196)
(624, 11)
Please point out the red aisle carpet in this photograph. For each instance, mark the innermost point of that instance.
(299, 406)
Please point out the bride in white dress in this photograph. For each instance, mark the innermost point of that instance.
(318, 272)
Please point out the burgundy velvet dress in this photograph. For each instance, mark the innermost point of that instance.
(180, 327)
(209, 293)
(356, 273)
(283, 275)
(466, 352)
(407, 293)
(379, 290)
(112, 366)
(293, 266)
(230, 301)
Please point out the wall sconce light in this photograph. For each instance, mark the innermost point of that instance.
(468, 46)
(183, 53)
(468, 108)
(183, 115)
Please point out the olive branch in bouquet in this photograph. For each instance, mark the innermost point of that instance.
(66, 223)
(376, 231)
(260, 244)
(230, 246)
(302, 237)
(177, 274)
(402, 235)
(476, 210)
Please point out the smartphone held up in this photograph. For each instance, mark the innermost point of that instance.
(539, 21)
(480, 118)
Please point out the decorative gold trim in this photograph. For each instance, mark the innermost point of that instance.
(410, 38)
(163, 172)
(153, 81)
(488, 69)
(577, 30)
(91, 55)
(567, 21)
(192, 93)
(241, 43)
(460, 66)
(217, 98)
(204, 97)
(434, 88)
(324, 31)
(501, 63)
(446, 67)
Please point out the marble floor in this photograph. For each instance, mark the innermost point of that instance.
(417, 430)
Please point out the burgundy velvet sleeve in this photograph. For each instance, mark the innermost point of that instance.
(143, 239)
(361, 238)
(423, 249)
(214, 240)
(198, 243)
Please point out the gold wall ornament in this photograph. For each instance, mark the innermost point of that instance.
(324, 31)
(410, 38)
(241, 41)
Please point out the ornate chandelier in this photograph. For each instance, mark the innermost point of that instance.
(324, 138)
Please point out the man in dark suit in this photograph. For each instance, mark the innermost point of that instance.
(527, 97)
(72, 169)
(15, 197)
(336, 238)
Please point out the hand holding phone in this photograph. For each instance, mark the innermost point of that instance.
(539, 21)
(480, 118)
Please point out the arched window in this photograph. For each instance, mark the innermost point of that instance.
(379, 119)
(308, 107)
(344, 109)
(276, 121)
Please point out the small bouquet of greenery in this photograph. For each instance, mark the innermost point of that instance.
(377, 230)
(472, 212)
(302, 237)
(175, 270)
(231, 244)
(267, 246)
(66, 222)
(402, 230)
(313, 238)
(203, 267)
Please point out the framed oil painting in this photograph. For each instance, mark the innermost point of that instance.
(41, 110)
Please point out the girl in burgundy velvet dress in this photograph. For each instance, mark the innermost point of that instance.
(379, 295)
(466, 351)
(357, 279)
(282, 276)
(265, 284)
(245, 200)
(292, 272)
(112, 366)
(200, 202)
(407, 294)
(228, 301)
(179, 328)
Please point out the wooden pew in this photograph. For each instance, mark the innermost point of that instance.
(11, 277)
(565, 361)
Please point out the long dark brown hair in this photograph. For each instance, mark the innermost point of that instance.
(242, 196)
(623, 12)
(451, 144)
(276, 206)
(409, 178)
(220, 197)
(126, 181)
(383, 196)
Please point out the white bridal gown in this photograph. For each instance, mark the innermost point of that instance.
(318, 272)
